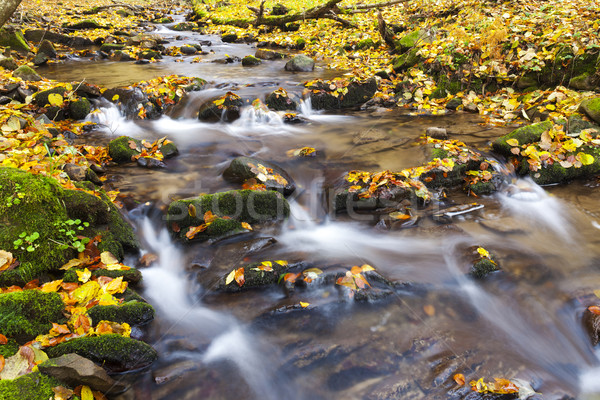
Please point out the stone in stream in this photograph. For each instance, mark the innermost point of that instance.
(300, 63)
(280, 100)
(250, 61)
(231, 213)
(75, 370)
(264, 54)
(255, 275)
(123, 148)
(243, 169)
(26, 73)
(591, 323)
(524, 135)
(42, 209)
(37, 35)
(188, 50)
(225, 108)
(437, 133)
(114, 352)
(322, 97)
(591, 108)
(13, 39)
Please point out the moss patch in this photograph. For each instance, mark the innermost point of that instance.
(26, 314)
(254, 277)
(33, 386)
(120, 151)
(525, 135)
(132, 312)
(14, 40)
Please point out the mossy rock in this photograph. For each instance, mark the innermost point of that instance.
(229, 38)
(79, 109)
(82, 25)
(41, 98)
(405, 61)
(9, 349)
(29, 313)
(131, 312)
(184, 26)
(26, 73)
(410, 40)
(555, 173)
(114, 352)
(300, 63)
(591, 108)
(108, 47)
(32, 386)
(576, 124)
(149, 55)
(40, 208)
(14, 40)
(120, 150)
(483, 267)
(280, 100)
(254, 277)
(8, 63)
(250, 61)
(242, 169)
(132, 275)
(358, 94)
(584, 81)
(366, 44)
(525, 135)
(228, 111)
(248, 206)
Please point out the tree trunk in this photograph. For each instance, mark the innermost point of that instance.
(7, 8)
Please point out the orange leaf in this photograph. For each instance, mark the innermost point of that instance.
(132, 145)
(209, 217)
(3, 339)
(239, 276)
(429, 310)
(459, 379)
(1, 363)
(194, 230)
(59, 329)
(594, 309)
(32, 284)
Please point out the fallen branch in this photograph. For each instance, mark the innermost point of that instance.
(363, 8)
(386, 33)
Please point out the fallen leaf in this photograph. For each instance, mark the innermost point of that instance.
(108, 258)
(86, 393)
(429, 310)
(459, 379)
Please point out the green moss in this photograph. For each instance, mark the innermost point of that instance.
(410, 40)
(132, 312)
(525, 135)
(445, 86)
(41, 98)
(79, 109)
(33, 386)
(26, 73)
(120, 151)
(406, 61)
(112, 351)
(132, 275)
(250, 61)
(9, 349)
(483, 267)
(483, 188)
(254, 277)
(366, 44)
(576, 124)
(26, 314)
(591, 108)
(14, 40)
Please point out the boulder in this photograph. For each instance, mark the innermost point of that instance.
(250, 61)
(524, 135)
(226, 108)
(41, 98)
(279, 9)
(80, 108)
(300, 63)
(272, 176)
(40, 59)
(35, 209)
(131, 312)
(75, 370)
(83, 25)
(280, 100)
(8, 63)
(229, 38)
(47, 48)
(188, 50)
(108, 47)
(31, 386)
(123, 148)
(184, 26)
(38, 35)
(437, 133)
(26, 73)
(114, 352)
(14, 40)
(268, 55)
(358, 93)
(233, 210)
(256, 275)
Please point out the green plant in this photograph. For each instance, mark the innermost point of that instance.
(15, 198)
(69, 230)
(27, 240)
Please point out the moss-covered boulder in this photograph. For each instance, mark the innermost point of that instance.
(41, 221)
(225, 108)
(8, 63)
(280, 100)
(14, 40)
(576, 124)
(524, 135)
(29, 313)
(555, 173)
(584, 81)
(271, 175)
(132, 275)
(114, 352)
(256, 275)
(229, 38)
(233, 209)
(123, 148)
(47, 48)
(108, 47)
(41, 98)
(356, 93)
(250, 61)
(80, 108)
(131, 312)
(9, 349)
(26, 73)
(83, 25)
(591, 108)
(300, 63)
(406, 60)
(410, 40)
(184, 26)
(33, 386)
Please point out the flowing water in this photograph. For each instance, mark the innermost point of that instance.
(521, 323)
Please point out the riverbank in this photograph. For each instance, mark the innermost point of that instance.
(57, 162)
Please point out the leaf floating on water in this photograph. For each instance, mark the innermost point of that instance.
(459, 379)
(429, 310)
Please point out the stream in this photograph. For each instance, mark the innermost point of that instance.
(523, 323)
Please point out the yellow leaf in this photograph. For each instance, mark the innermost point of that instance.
(108, 300)
(219, 102)
(51, 286)
(55, 99)
(483, 252)
(115, 286)
(267, 263)
(86, 292)
(108, 258)
(512, 142)
(115, 97)
(246, 225)
(230, 277)
(86, 393)
(367, 267)
(281, 262)
(84, 276)
(6, 259)
(586, 159)
(304, 304)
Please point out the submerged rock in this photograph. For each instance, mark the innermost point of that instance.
(75, 370)
(230, 213)
(114, 352)
(263, 172)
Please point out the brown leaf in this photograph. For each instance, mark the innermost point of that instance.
(429, 310)
(192, 211)
(62, 393)
(147, 259)
(132, 145)
(594, 309)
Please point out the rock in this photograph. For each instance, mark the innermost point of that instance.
(123, 148)
(114, 352)
(279, 9)
(256, 275)
(472, 108)
(131, 312)
(149, 55)
(250, 61)
(150, 162)
(108, 47)
(229, 38)
(584, 81)
(188, 50)
(145, 40)
(84, 25)
(454, 103)
(131, 275)
(47, 48)
(437, 133)
(370, 136)
(527, 81)
(40, 59)
(185, 26)
(576, 124)
(591, 323)
(8, 63)
(406, 60)
(41, 98)
(26, 73)
(280, 100)
(525, 135)
(411, 40)
(75, 370)
(79, 109)
(300, 63)
(174, 371)
(226, 108)
(5, 100)
(268, 54)
(240, 206)
(358, 93)
(120, 55)
(29, 313)
(37, 35)
(272, 176)
(129, 100)
(43, 208)
(79, 173)
(591, 108)
(14, 40)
